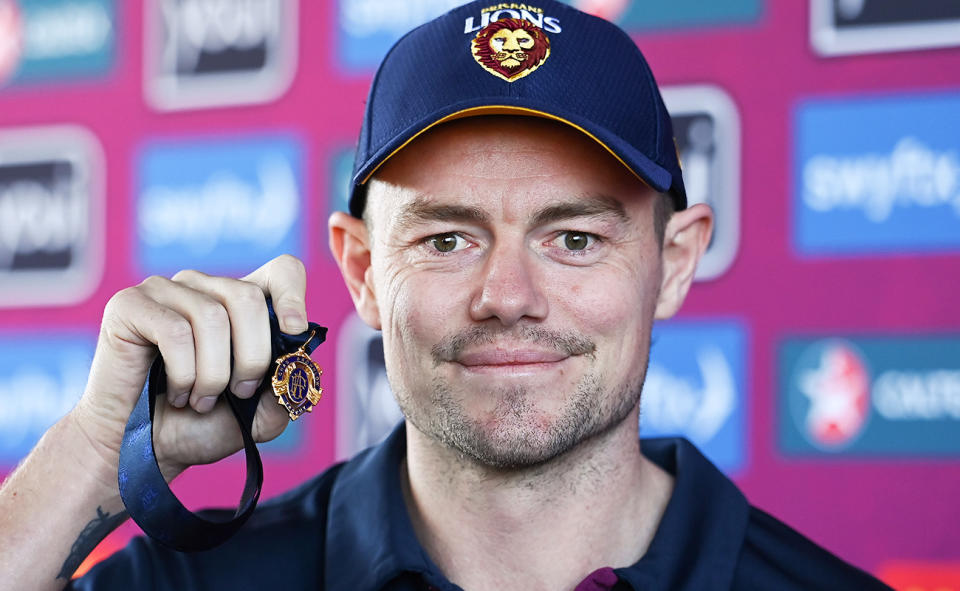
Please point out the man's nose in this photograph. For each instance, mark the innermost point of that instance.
(509, 289)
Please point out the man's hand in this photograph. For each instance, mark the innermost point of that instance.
(213, 333)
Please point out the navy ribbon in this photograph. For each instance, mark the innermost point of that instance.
(145, 492)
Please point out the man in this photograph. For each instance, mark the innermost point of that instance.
(514, 237)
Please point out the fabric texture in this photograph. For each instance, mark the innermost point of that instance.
(348, 529)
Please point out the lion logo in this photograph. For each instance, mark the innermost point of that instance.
(510, 48)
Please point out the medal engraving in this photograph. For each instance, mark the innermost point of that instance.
(296, 382)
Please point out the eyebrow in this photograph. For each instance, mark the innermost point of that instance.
(421, 210)
(585, 206)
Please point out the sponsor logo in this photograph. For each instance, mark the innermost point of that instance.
(510, 48)
(41, 378)
(48, 39)
(707, 129)
(636, 16)
(223, 205)
(51, 215)
(696, 388)
(840, 27)
(870, 172)
(871, 396)
(204, 53)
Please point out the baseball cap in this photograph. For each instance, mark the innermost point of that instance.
(542, 59)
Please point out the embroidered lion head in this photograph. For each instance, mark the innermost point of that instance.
(511, 48)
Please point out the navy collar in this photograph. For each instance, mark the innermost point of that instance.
(370, 539)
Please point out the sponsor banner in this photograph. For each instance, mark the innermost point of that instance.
(223, 205)
(41, 377)
(635, 15)
(54, 39)
(368, 28)
(51, 215)
(696, 388)
(839, 27)
(922, 576)
(207, 53)
(877, 175)
(707, 130)
(870, 396)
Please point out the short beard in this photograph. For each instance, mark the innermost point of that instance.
(516, 442)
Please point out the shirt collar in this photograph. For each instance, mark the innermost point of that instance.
(702, 529)
(370, 538)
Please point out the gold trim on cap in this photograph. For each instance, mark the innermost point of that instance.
(502, 110)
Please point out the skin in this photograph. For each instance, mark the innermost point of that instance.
(518, 356)
(480, 519)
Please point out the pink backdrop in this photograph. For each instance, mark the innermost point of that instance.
(893, 514)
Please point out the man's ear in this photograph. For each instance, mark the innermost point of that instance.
(684, 242)
(350, 245)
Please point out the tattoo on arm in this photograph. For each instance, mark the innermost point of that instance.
(92, 533)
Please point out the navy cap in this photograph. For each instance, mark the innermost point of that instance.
(543, 59)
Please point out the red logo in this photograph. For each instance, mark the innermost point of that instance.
(838, 390)
(11, 38)
(510, 48)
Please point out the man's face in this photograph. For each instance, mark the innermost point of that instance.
(516, 272)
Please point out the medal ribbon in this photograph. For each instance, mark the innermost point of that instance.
(145, 492)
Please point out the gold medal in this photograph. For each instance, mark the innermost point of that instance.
(296, 382)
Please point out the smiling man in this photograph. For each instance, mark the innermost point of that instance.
(514, 233)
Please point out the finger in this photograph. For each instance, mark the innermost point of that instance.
(270, 419)
(140, 318)
(285, 280)
(249, 326)
(211, 336)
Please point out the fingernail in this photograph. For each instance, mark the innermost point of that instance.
(245, 389)
(294, 323)
(181, 400)
(206, 403)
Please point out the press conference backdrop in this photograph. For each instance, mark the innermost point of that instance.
(817, 360)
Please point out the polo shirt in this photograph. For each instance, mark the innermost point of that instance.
(348, 529)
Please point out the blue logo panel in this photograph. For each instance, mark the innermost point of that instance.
(635, 15)
(221, 205)
(696, 387)
(53, 39)
(368, 28)
(41, 378)
(878, 396)
(877, 175)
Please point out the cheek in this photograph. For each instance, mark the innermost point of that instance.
(416, 309)
(614, 306)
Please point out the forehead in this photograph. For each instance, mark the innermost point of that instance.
(490, 161)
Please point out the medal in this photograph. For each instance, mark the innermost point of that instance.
(296, 382)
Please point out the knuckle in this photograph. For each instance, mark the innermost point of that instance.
(213, 314)
(292, 264)
(178, 331)
(248, 295)
(186, 275)
(154, 282)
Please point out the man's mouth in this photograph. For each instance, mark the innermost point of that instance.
(510, 360)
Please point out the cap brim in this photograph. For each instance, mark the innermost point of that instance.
(637, 163)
